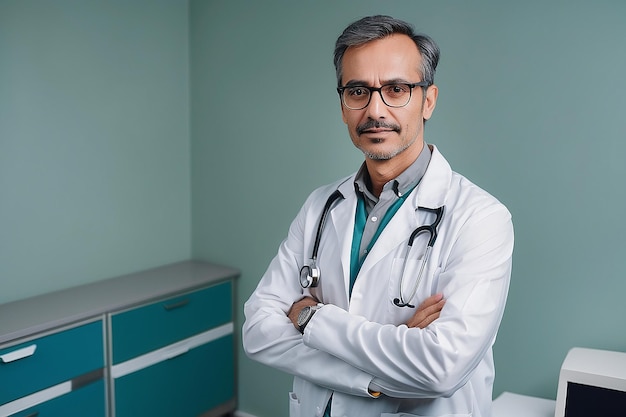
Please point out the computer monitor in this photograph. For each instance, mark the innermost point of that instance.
(592, 383)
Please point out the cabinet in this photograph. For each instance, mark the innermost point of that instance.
(43, 375)
(157, 343)
(175, 356)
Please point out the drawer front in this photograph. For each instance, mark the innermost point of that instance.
(89, 401)
(50, 360)
(144, 329)
(185, 386)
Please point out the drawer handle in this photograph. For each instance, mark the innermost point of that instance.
(171, 354)
(16, 355)
(176, 305)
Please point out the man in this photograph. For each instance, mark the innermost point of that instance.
(371, 320)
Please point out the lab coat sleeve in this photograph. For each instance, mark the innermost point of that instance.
(438, 360)
(271, 338)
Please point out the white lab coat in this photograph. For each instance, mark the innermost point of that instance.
(352, 344)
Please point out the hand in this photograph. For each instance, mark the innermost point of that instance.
(427, 312)
(297, 306)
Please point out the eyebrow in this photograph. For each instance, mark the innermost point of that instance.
(363, 83)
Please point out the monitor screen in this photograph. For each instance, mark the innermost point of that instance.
(586, 401)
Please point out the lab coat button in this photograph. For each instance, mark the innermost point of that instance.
(374, 218)
(319, 412)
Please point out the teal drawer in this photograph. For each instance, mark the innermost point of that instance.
(144, 329)
(185, 386)
(88, 401)
(50, 360)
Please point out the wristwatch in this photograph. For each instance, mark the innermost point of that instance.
(305, 315)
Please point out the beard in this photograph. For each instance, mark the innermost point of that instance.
(386, 155)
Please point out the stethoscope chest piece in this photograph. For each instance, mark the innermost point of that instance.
(309, 275)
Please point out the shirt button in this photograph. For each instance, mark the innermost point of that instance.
(374, 218)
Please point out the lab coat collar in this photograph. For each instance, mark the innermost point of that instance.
(433, 189)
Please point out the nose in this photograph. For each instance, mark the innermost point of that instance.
(376, 108)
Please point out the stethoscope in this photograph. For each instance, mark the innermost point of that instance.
(310, 274)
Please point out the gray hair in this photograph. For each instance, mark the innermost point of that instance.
(372, 28)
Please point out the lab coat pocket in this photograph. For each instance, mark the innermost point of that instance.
(411, 281)
(294, 405)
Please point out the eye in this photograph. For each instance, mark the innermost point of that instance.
(396, 90)
(357, 92)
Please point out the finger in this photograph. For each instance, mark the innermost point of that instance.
(426, 315)
(428, 320)
(430, 301)
(423, 321)
(426, 310)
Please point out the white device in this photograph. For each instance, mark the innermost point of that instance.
(592, 383)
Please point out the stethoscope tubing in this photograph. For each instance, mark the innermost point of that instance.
(399, 302)
(318, 235)
(310, 274)
(432, 230)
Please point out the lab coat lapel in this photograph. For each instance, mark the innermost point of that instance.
(341, 220)
(433, 189)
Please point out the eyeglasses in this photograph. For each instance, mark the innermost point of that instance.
(357, 97)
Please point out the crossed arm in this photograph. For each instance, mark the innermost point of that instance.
(426, 313)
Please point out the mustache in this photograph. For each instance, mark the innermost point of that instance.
(376, 124)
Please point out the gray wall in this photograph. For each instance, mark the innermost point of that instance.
(94, 140)
(137, 133)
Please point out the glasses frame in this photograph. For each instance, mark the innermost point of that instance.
(411, 86)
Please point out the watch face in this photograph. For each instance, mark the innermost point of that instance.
(303, 315)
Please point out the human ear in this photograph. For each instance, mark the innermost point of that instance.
(430, 101)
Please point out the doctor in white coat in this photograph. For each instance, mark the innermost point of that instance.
(369, 320)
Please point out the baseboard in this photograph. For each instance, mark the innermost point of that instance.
(243, 414)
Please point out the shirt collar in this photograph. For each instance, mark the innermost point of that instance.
(403, 183)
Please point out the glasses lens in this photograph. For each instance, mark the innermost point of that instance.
(396, 95)
(356, 97)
